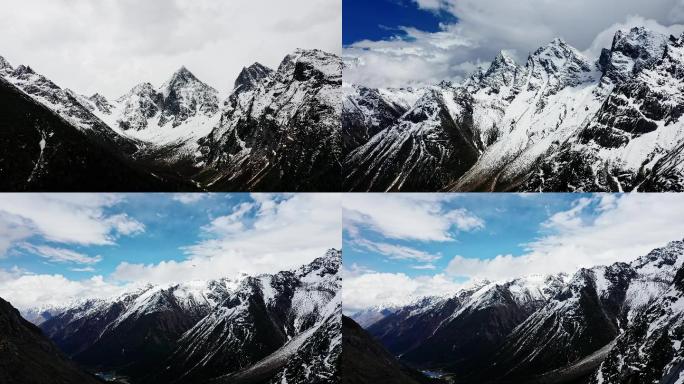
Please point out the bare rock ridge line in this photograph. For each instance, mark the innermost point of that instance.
(560, 122)
(278, 130)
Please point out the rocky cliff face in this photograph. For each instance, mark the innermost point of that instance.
(282, 134)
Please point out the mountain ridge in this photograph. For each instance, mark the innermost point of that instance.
(561, 122)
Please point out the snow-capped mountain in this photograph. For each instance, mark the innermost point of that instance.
(282, 131)
(262, 328)
(278, 130)
(561, 122)
(607, 324)
(462, 330)
(63, 147)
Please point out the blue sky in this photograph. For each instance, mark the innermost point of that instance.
(169, 226)
(401, 246)
(510, 222)
(381, 19)
(55, 247)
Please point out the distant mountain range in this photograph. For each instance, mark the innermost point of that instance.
(622, 323)
(559, 123)
(281, 328)
(277, 131)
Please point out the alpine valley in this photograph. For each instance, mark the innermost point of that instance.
(280, 328)
(617, 324)
(561, 122)
(277, 131)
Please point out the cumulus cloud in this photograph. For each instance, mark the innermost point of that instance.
(625, 228)
(270, 233)
(64, 218)
(108, 46)
(372, 289)
(487, 26)
(283, 232)
(421, 217)
(27, 290)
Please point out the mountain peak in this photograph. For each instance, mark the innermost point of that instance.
(24, 69)
(4, 64)
(182, 76)
(631, 51)
(250, 76)
(305, 64)
(504, 58)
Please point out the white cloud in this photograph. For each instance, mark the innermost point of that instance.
(109, 46)
(28, 290)
(231, 223)
(487, 26)
(600, 230)
(395, 252)
(424, 266)
(64, 218)
(421, 217)
(625, 228)
(61, 255)
(288, 231)
(190, 198)
(124, 225)
(372, 289)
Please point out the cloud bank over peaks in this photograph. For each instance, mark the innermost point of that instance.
(485, 27)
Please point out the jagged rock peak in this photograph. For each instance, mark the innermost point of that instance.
(668, 255)
(23, 69)
(305, 64)
(4, 64)
(250, 76)
(142, 89)
(330, 262)
(631, 51)
(182, 74)
(183, 78)
(556, 49)
(503, 59)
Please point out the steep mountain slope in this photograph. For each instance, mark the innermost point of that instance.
(367, 111)
(561, 122)
(365, 361)
(277, 131)
(637, 126)
(459, 333)
(28, 357)
(282, 134)
(615, 324)
(430, 144)
(44, 152)
(178, 113)
(136, 330)
(583, 318)
(256, 329)
(264, 314)
(649, 349)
